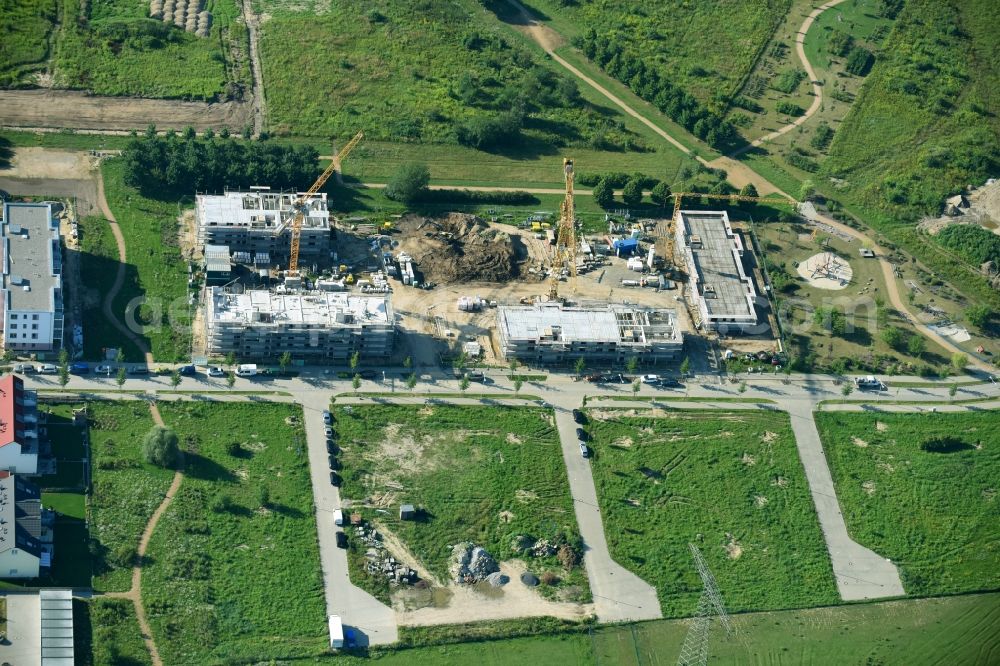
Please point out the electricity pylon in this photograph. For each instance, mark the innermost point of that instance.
(694, 652)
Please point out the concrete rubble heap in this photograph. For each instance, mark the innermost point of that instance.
(471, 563)
(380, 562)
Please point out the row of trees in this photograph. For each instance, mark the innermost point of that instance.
(647, 82)
(187, 163)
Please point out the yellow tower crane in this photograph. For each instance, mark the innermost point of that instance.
(564, 259)
(302, 203)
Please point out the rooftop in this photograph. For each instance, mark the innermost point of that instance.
(32, 262)
(609, 322)
(10, 388)
(20, 514)
(259, 209)
(261, 307)
(57, 627)
(716, 252)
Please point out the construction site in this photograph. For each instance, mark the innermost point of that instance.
(283, 275)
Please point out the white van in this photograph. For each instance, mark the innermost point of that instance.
(246, 370)
(336, 631)
(338, 517)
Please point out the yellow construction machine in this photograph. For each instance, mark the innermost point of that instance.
(564, 257)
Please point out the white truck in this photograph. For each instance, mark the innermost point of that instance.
(246, 370)
(336, 632)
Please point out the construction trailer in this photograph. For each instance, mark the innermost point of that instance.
(720, 288)
(315, 327)
(260, 222)
(552, 333)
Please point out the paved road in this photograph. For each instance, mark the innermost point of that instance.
(374, 621)
(619, 595)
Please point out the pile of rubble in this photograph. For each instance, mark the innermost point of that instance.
(380, 562)
(471, 564)
(525, 545)
(458, 248)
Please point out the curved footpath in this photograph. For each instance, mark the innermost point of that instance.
(109, 298)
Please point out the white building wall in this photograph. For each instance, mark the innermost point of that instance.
(17, 563)
(21, 325)
(13, 459)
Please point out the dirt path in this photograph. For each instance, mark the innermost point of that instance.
(70, 109)
(253, 26)
(120, 275)
(800, 38)
(134, 593)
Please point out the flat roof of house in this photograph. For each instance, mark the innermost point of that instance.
(57, 627)
(717, 261)
(259, 208)
(585, 323)
(261, 307)
(31, 256)
(20, 514)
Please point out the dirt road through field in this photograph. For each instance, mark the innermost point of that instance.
(252, 21)
(69, 109)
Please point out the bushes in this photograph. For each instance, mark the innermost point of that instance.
(409, 182)
(486, 132)
(840, 43)
(801, 161)
(503, 198)
(974, 243)
(860, 61)
(789, 109)
(822, 137)
(187, 164)
(159, 447)
(788, 80)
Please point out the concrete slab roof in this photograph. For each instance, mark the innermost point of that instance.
(716, 252)
(31, 256)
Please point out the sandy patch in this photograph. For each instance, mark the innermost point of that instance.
(426, 411)
(625, 442)
(733, 547)
(760, 500)
(885, 467)
(779, 481)
(826, 271)
(881, 427)
(748, 460)
(525, 496)
(633, 501)
(868, 487)
(726, 433)
(769, 436)
(859, 442)
(514, 439)
(505, 516)
(48, 163)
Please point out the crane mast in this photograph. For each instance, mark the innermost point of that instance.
(564, 260)
(302, 203)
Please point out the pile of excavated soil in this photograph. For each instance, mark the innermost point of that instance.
(458, 248)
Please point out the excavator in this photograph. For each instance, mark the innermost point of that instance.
(301, 205)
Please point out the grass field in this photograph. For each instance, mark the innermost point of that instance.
(27, 28)
(114, 48)
(155, 270)
(933, 514)
(115, 638)
(479, 474)
(731, 483)
(234, 572)
(126, 490)
(708, 48)
(955, 630)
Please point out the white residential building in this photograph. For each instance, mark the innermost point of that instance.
(18, 427)
(20, 527)
(32, 278)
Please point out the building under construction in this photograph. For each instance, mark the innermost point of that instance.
(259, 222)
(316, 327)
(720, 288)
(553, 333)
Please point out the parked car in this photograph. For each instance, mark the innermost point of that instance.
(138, 370)
(341, 540)
(48, 369)
(334, 479)
(104, 370)
(329, 432)
(216, 371)
(650, 379)
(334, 462)
(79, 368)
(594, 378)
(579, 416)
(367, 374)
(615, 378)
(582, 435)
(331, 446)
(584, 451)
(24, 368)
(327, 417)
(476, 376)
(187, 370)
(670, 384)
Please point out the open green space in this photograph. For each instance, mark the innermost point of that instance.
(114, 48)
(126, 489)
(951, 630)
(114, 634)
(155, 272)
(27, 29)
(233, 572)
(731, 483)
(932, 512)
(480, 474)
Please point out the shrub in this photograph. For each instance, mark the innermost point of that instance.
(788, 80)
(823, 136)
(632, 194)
(159, 447)
(840, 43)
(603, 194)
(789, 109)
(409, 182)
(549, 578)
(944, 444)
(235, 449)
(859, 62)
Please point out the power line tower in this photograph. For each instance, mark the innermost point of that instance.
(694, 652)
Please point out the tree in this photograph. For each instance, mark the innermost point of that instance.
(580, 366)
(806, 190)
(356, 382)
(175, 378)
(979, 316)
(636, 385)
(408, 183)
(120, 356)
(263, 496)
(632, 364)
(411, 381)
(159, 447)
(355, 359)
(743, 387)
(121, 377)
(461, 361)
(63, 367)
(749, 190)
(284, 361)
(231, 358)
(846, 389)
(952, 390)
(407, 362)
(959, 361)
(230, 379)
(512, 365)
(661, 194)
(604, 194)
(916, 345)
(463, 385)
(685, 366)
(518, 383)
(632, 193)
(893, 337)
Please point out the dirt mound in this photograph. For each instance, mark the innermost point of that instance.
(459, 248)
